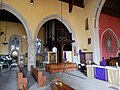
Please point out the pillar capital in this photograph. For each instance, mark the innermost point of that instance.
(97, 28)
(30, 40)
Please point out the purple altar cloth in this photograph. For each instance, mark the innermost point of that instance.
(65, 57)
(101, 73)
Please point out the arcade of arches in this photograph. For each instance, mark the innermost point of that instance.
(32, 32)
(29, 32)
(48, 27)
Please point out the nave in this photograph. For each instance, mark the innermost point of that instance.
(75, 79)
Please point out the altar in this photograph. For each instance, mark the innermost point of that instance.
(105, 73)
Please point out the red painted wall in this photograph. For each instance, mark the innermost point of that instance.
(113, 23)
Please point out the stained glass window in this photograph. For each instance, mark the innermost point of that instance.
(15, 43)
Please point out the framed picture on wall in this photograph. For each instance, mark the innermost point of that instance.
(52, 57)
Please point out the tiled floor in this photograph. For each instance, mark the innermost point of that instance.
(75, 79)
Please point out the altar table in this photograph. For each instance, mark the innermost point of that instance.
(106, 73)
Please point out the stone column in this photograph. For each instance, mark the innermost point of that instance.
(31, 54)
(96, 46)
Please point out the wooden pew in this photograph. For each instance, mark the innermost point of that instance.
(22, 82)
(61, 67)
(51, 64)
(41, 80)
(62, 86)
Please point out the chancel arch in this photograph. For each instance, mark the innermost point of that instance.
(100, 23)
(96, 28)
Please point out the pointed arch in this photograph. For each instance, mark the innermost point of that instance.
(96, 45)
(58, 17)
(18, 40)
(115, 36)
(67, 25)
(20, 17)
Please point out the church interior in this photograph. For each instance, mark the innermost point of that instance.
(59, 44)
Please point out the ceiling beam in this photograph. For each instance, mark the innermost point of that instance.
(74, 2)
(71, 3)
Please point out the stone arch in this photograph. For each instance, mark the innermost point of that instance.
(96, 45)
(58, 17)
(27, 29)
(20, 17)
(97, 42)
(116, 38)
(64, 21)
(98, 9)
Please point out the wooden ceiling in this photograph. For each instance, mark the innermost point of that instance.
(112, 8)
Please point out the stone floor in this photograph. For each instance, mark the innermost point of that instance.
(8, 80)
(75, 79)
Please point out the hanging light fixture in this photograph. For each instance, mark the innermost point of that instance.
(61, 13)
(5, 39)
(1, 32)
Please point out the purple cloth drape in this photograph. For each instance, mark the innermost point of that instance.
(80, 53)
(65, 57)
(103, 63)
(101, 73)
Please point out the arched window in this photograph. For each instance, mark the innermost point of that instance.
(89, 41)
(15, 43)
(38, 46)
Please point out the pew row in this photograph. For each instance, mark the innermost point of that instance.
(40, 79)
(60, 67)
(22, 82)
